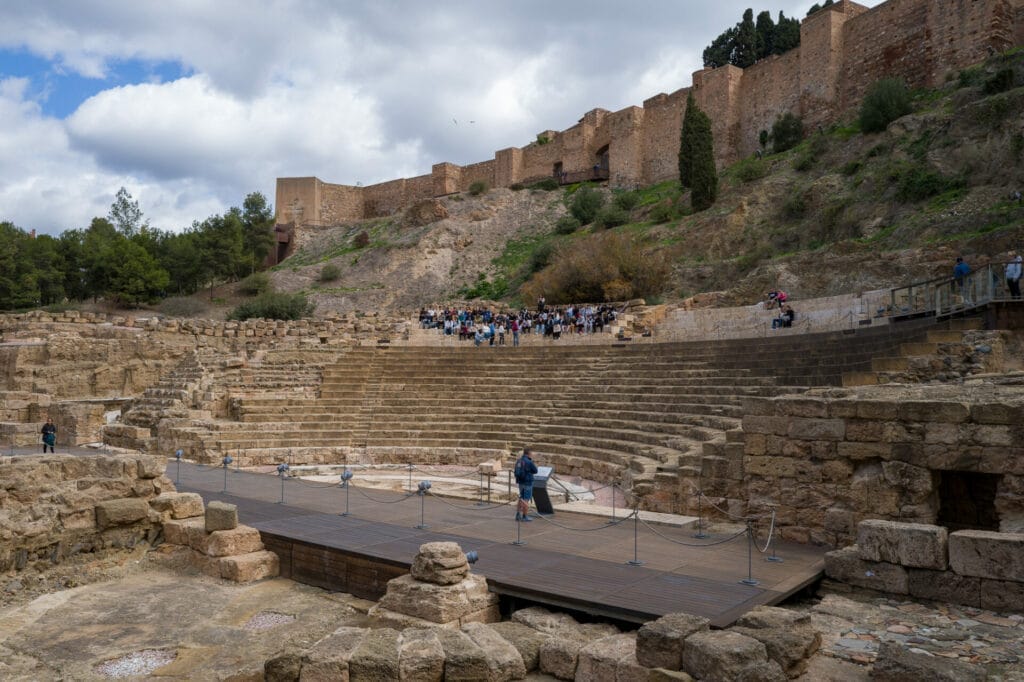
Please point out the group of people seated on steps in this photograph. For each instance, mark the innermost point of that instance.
(780, 299)
(482, 325)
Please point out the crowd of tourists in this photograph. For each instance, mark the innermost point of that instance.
(484, 325)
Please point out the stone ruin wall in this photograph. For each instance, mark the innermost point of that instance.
(56, 507)
(844, 49)
(829, 459)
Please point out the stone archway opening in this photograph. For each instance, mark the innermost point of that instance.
(967, 501)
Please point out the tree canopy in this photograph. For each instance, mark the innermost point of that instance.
(750, 40)
(122, 259)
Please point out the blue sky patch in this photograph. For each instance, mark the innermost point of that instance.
(60, 91)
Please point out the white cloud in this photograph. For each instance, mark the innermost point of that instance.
(350, 92)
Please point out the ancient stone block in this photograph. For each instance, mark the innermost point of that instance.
(121, 512)
(438, 603)
(503, 659)
(177, 532)
(933, 411)
(599, 660)
(221, 516)
(913, 545)
(817, 429)
(663, 675)
(244, 568)
(545, 621)
(463, 658)
(987, 554)
(788, 636)
(944, 586)
(441, 563)
(559, 657)
(659, 643)
(151, 466)
(328, 660)
(526, 640)
(240, 540)
(178, 505)
(421, 656)
(800, 406)
(845, 565)
(897, 663)
(720, 654)
(762, 424)
(997, 413)
(376, 657)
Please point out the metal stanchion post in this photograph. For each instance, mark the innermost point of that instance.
(282, 471)
(346, 476)
(771, 541)
(636, 522)
(749, 580)
(410, 476)
(480, 490)
(519, 540)
(226, 461)
(613, 501)
(700, 534)
(488, 489)
(424, 486)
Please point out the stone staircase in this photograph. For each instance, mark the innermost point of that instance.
(927, 358)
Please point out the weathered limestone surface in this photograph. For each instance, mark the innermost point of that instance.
(421, 656)
(909, 544)
(721, 654)
(896, 663)
(221, 516)
(526, 640)
(178, 505)
(503, 659)
(441, 563)
(55, 506)
(469, 599)
(985, 554)
(659, 643)
(788, 636)
(846, 566)
(602, 660)
(376, 657)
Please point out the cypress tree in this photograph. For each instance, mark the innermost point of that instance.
(745, 53)
(686, 143)
(704, 177)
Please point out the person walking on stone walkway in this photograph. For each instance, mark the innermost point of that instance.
(49, 432)
(524, 472)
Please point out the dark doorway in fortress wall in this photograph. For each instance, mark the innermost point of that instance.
(967, 501)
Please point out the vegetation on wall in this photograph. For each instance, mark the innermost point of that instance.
(750, 40)
(884, 102)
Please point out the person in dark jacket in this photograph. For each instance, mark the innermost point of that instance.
(524, 472)
(49, 432)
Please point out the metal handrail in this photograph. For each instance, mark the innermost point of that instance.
(946, 295)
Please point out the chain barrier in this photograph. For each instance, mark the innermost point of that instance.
(585, 530)
(692, 544)
(312, 484)
(738, 517)
(404, 497)
(474, 507)
(771, 533)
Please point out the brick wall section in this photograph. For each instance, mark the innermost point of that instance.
(844, 49)
(829, 460)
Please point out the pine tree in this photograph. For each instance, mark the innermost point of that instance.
(745, 53)
(704, 177)
(686, 143)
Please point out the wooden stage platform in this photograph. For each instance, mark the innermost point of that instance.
(568, 560)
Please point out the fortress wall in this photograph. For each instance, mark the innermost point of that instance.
(483, 171)
(340, 203)
(844, 49)
(768, 88)
(659, 138)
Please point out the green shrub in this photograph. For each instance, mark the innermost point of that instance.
(361, 240)
(517, 187)
(787, 132)
(567, 224)
(484, 289)
(804, 162)
(540, 257)
(274, 306)
(611, 216)
(762, 139)
(255, 284)
(795, 207)
(627, 201)
(971, 77)
(920, 182)
(663, 212)
(751, 169)
(329, 273)
(851, 168)
(885, 101)
(586, 203)
(477, 187)
(1001, 81)
(547, 184)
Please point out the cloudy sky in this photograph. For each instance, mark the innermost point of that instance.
(192, 104)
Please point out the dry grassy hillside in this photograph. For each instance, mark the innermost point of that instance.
(843, 211)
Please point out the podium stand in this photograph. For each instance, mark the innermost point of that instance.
(540, 490)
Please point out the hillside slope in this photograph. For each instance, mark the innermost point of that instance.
(843, 211)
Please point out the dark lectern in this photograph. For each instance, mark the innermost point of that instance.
(540, 490)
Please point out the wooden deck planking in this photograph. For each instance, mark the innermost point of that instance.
(581, 566)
